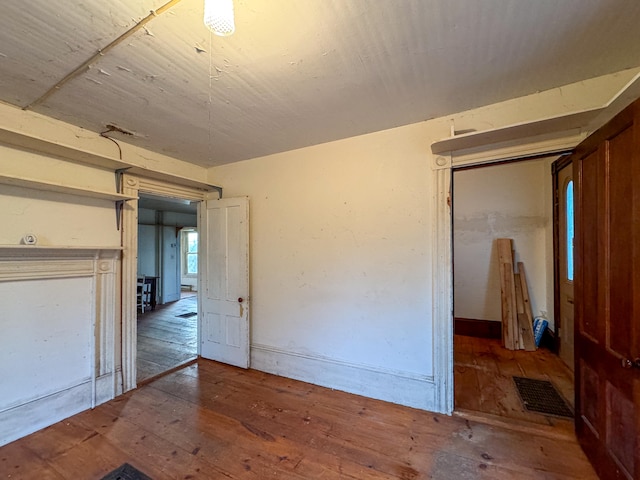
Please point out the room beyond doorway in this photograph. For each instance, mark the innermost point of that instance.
(167, 252)
(505, 200)
(167, 337)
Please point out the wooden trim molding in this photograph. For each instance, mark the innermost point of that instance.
(99, 266)
(405, 388)
(132, 186)
(472, 327)
(442, 290)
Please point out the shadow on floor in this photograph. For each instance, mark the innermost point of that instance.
(166, 340)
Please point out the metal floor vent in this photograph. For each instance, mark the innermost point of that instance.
(126, 472)
(187, 315)
(542, 397)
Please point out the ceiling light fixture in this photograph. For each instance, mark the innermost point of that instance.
(218, 16)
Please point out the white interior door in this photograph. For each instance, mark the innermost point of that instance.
(224, 254)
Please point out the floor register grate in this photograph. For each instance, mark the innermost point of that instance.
(542, 397)
(126, 472)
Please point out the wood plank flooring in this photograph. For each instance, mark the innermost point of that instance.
(483, 379)
(210, 421)
(166, 340)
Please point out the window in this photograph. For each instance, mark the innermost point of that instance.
(190, 252)
(569, 229)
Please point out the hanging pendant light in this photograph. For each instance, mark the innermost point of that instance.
(218, 16)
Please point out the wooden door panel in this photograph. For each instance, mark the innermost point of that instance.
(620, 431)
(587, 228)
(607, 286)
(621, 239)
(589, 411)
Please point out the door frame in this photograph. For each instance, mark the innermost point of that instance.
(442, 251)
(559, 164)
(133, 185)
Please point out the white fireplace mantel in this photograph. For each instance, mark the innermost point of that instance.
(27, 268)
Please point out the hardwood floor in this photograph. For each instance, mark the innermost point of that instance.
(215, 421)
(166, 340)
(483, 379)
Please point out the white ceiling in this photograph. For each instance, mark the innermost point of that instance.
(167, 204)
(298, 72)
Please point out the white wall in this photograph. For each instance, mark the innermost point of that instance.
(147, 250)
(341, 251)
(54, 218)
(502, 201)
(340, 260)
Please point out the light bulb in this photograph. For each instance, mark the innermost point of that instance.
(218, 16)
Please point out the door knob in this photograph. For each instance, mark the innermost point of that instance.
(626, 363)
(240, 299)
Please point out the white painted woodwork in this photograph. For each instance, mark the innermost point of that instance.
(59, 188)
(562, 124)
(224, 246)
(133, 185)
(442, 288)
(551, 135)
(406, 388)
(58, 347)
(501, 201)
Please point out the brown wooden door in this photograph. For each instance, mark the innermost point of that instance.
(607, 293)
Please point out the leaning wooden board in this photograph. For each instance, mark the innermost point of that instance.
(508, 294)
(527, 328)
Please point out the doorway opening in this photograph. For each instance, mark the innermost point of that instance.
(167, 285)
(504, 200)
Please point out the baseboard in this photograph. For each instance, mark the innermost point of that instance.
(471, 327)
(404, 388)
(29, 417)
(549, 341)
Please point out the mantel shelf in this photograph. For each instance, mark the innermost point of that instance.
(59, 188)
(562, 123)
(585, 121)
(52, 252)
(58, 247)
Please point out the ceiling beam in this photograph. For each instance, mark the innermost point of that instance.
(84, 66)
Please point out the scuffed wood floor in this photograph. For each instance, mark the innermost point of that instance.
(214, 421)
(165, 340)
(483, 377)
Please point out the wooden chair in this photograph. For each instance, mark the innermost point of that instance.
(143, 294)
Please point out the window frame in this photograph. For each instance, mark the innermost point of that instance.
(568, 271)
(184, 252)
